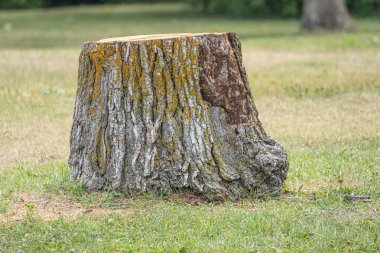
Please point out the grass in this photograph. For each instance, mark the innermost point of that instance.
(198, 229)
(317, 94)
(311, 218)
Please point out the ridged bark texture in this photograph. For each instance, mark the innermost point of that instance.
(326, 14)
(167, 113)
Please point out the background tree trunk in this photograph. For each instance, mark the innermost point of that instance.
(326, 14)
(171, 112)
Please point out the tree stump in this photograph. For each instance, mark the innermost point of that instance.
(169, 113)
(326, 14)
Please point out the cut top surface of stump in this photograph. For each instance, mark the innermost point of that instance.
(171, 112)
(157, 37)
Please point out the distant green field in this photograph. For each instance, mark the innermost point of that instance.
(317, 94)
(70, 27)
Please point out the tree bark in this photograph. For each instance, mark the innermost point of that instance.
(168, 113)
(326, 14)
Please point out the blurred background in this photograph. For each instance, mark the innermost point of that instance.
(47, 24)
(248, 8)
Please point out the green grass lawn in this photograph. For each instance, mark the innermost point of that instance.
(317, 94)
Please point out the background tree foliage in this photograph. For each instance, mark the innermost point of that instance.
(282, 8)
(247, 8)
(23, 4)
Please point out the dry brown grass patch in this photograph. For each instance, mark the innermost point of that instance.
(37, 90)
(50, 208)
